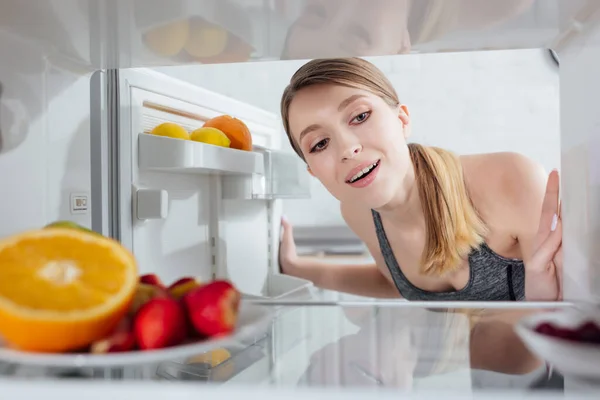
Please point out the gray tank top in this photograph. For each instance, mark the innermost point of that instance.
(491, 276)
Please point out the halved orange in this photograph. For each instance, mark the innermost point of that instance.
(62, 289)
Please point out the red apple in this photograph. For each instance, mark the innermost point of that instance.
(213, 308)
(160, 323)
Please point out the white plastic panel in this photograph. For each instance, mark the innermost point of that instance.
(185, 156)
(580, 147)
(202, 235)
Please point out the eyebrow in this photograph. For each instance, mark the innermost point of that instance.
(345, 103)
(349, 100)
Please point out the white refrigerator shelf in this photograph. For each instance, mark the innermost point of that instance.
(165, 154)
(280, 286)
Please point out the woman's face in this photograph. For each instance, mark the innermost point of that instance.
(352, 141)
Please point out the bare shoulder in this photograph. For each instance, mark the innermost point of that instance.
(505, 183)
(513, 173)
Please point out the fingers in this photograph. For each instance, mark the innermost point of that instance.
(287, 247)
(558, 262)
(550, 204)
(287, 234)
(549, 248)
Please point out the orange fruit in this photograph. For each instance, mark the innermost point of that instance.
(236, 131)
(62, 289)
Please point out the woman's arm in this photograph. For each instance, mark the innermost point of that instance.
(362, 280)
(538, 229)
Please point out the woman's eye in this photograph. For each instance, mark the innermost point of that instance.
(319, 146)
(362, 117)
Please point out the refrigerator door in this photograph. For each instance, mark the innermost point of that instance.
(162, 196)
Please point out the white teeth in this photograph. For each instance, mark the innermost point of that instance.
(362, 172)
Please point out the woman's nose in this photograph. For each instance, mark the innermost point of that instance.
(351, 151)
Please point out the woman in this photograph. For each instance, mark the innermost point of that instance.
(439, 226)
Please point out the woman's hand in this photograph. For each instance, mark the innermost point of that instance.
(288, 257)
(543, 272)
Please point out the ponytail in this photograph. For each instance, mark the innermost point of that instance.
(453, 225)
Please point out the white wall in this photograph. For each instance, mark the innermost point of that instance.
(467, 102)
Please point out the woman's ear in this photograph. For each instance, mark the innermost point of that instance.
(404, 116)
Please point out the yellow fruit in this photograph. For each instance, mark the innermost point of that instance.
(211, 136)
(172, 130)
(213, 358)
(62, 289)
(222, 369)
(169, 39)
(206, 40)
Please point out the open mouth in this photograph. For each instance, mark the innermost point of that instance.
(364, 172)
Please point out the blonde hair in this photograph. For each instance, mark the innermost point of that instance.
(453, 225)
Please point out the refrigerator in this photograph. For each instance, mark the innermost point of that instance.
(79, 96)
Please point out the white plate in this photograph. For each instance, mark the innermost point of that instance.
(252, 320)
(570, 358)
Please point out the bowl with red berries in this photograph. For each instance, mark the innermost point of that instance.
(568, 339)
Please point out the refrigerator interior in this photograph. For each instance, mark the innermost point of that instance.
(188, 208)
(78, 96)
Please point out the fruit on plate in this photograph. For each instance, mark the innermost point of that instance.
(144, 293)
(206, 39)
(152, 279)
(160, 323)
(235, 129)
(587, 332)
(169, 39)
(212, 136)
(121, 340)
(182, 286)
(54, 282)
(213, 308)
(68, 224)
(118, 342)
(170, 129)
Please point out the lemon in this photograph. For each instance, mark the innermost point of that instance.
(172, 130)
(212, 136)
